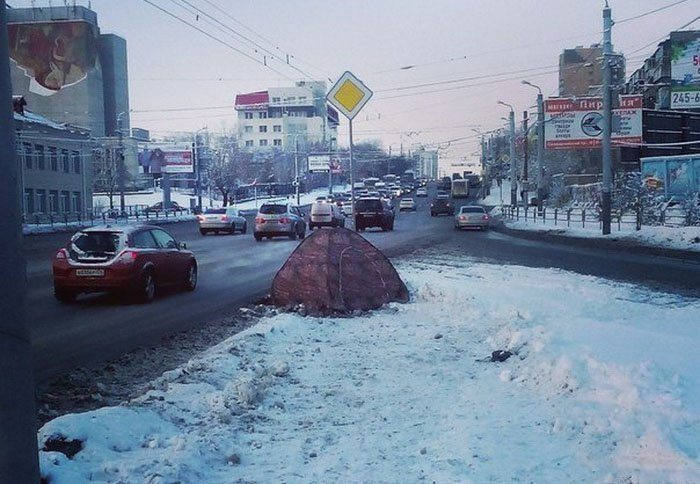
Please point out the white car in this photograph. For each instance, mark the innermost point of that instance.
(472, 217)
(346, 207)
(407, 204)
(325, 214)
(421, 192)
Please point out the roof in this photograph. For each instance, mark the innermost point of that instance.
(33, 118)
(252, 99)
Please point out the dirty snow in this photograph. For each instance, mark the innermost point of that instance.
(603, 387)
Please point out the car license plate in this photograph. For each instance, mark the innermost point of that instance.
(90, 272)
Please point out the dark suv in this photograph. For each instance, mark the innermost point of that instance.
(441, 206)
(373, 212)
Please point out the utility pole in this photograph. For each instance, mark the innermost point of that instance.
(198, 167)
(513, 161)
(352, 178)
(19, 460)
(540, 150)
(296, 167)
(607, 120)
(121, 168)
(525, 159)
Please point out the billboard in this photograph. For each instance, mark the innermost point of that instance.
(53, 55)
(319, 163)
(685, 74)
(166, 159)
(573, 123)
(674, 175)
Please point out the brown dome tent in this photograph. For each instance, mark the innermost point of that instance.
(337, 270)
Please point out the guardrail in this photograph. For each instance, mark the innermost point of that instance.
(89, 219)
(589, 217)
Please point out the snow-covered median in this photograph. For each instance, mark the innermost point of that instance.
(603, 388)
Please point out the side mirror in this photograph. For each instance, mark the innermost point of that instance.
(183, 246)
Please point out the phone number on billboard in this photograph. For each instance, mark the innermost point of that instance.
(685, 99)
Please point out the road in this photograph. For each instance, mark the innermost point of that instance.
(236, 270)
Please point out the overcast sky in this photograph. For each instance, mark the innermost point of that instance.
(172, 65)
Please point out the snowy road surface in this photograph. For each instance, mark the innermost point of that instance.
(603, 388)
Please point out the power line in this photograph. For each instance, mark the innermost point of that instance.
(660, 39)
(213, 37)
(635, 17)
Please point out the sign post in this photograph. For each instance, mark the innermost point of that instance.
(349, 95)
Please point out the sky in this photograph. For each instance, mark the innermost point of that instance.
(172, 65)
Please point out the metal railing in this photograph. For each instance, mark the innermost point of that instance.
(90, 218)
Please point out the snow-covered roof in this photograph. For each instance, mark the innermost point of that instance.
(29, 117)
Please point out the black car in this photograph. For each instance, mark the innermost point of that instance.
(373, 212)
(441, 206)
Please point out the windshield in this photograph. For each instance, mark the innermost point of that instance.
(217, 211)
(273, 209)
(472, 210)
(97, 243)
(368, 206)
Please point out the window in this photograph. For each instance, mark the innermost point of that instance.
(65, 161)
(40, 161)
(76, 161)
(53, 201)
(291, 98)
(53, 159)
(249, 143)
(275, 99)
(277, 128)
(65, 201)
(273, 209)
(41, 201)
(262, 115)
(27, 154)
(302, 98)
(77, 202)
(248, 115)
(143, 240)
(277, 142)
(28, 201)
(248, 129)
(164, 239)
(262, 129)
(263, 142)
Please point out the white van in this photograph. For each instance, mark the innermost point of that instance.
(326, 214)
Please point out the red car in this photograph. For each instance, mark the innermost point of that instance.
(136, 260)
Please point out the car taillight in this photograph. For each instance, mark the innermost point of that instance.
(485, 217)
(62, 254)
(224, 218)
(259, 220)
(200, 218)
(127, 257)
(284, 220)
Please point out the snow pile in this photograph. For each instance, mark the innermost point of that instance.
(602, 386)
(682, 238)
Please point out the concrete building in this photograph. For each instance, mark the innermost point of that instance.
(653, 78)
(581, 71)
(56, 166)
(427, 164)
(279, 116)
(66, 70)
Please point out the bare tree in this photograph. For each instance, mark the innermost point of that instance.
(106, 175)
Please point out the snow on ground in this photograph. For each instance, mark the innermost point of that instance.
(604, 388)
(683, 238)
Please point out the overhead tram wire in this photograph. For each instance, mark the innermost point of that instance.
(661, 39)
(635, 17)
(215, 38)
(248, 39)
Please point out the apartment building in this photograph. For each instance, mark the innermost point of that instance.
(282, 117)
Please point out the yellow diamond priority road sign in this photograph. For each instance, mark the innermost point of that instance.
(349, 95)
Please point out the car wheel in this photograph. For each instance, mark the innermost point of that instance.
(258, 238)
(191, 277)
(146, 291)
(244, 230)
(293, 234)
(202, 231)
(64, 296)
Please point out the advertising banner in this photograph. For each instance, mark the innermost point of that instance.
(573, 123)
(166, 159)
(53, 55)
(319, 163)
(685, 75)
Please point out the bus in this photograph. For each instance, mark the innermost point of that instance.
(371, 182)
(460, 188)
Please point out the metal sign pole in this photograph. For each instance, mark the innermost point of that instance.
(352, 177)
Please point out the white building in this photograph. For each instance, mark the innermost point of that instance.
(280, 116)
(427, 164)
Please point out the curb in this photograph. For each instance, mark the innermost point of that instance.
(612, 243)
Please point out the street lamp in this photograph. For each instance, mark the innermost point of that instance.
(513, 161)
(540, 143)
(198, 167)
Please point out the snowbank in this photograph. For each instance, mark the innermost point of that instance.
(603, 387)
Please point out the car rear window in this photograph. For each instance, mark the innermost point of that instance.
(215, 211)
(269, 209)
(368, 206)
(97, 242)
(473, 210)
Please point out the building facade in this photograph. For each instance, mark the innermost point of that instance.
(581, 71)
(427, 164)
(56, 167)
(66, 70)
(282, 117)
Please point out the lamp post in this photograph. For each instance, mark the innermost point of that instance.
(540, 143)
(121, 168)
(513, 161)
(198, 167)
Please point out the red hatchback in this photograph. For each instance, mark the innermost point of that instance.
(135, 260)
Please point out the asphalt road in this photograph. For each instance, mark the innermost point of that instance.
(236, 270)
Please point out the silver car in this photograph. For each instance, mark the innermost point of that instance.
(472, 216)
(226, 219)
(279, 219)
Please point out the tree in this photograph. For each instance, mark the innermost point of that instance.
(106, 173)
